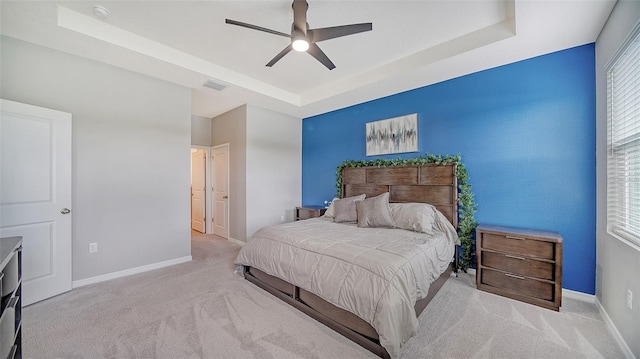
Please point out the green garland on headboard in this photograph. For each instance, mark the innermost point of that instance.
(466, 204)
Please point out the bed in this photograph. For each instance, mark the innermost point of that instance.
(368, 284)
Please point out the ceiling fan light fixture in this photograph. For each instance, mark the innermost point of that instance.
(300, 44)
(302, 37)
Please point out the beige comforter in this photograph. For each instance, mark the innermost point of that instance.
(377, 274)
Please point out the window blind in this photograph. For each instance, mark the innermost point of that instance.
(623, 142)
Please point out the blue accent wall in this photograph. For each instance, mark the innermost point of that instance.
(526, 133)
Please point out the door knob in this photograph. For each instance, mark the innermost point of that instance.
(225, 197)
(65, 211)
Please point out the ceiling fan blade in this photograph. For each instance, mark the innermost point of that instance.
(279, 56)
(315, 51)
(254, 27)
(327, 33)
(300, 15)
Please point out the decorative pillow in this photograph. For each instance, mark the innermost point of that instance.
(417, 217)
(374, 212)
(330, 212)
(345, 209)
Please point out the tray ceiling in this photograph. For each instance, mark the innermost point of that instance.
(413, 44)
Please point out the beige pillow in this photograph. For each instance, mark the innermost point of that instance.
(330, 212)
(374, 212)
(344, 209)
(417, 217)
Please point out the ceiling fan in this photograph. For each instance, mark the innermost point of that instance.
(303, 38)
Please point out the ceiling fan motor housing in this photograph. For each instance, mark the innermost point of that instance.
(303, 38)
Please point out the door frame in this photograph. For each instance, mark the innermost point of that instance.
(208, 203)
(211, 173)
(60, 199)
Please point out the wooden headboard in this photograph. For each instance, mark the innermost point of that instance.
(430, 183)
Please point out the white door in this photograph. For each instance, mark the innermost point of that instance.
(221, 190)
(35, 195)
(198, 171)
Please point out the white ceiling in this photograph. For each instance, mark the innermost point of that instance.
(413, 44)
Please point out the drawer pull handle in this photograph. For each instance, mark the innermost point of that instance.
(514, 257)
(518, 238)
(513, 276)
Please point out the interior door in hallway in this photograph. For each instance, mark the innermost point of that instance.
(221, 190)
(35, 194)
(198, 189)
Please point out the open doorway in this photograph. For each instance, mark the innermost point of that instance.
(210, 190)
(199, 186)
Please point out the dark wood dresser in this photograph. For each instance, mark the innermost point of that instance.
(306, 212)
(10, 292)
(522, 264)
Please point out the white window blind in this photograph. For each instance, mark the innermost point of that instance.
(623, 130)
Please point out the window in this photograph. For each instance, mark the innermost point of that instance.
(623, 143)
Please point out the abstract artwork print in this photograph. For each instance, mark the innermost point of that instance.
(394, 135)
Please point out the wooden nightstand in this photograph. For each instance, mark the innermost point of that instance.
(522, 264)
(306, 212)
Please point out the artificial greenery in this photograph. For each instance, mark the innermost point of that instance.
(466, 204)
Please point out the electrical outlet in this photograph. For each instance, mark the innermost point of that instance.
(281, 218)
(93, 247)
(629, 299)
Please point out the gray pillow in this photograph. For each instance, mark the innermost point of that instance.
(374, 212)
(330, 213)
(344, 210)
(417, 217)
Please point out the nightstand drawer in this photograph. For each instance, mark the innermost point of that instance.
(518, 265)
(304, 213)
(307, 212)
(517, 284)
(518, 245)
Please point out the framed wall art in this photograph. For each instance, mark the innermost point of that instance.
(393, 135)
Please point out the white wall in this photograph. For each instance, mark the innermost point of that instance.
(265, 166)
(618, 263)
(200, 131)
(231, 128)
(131, 141)
(274, 167)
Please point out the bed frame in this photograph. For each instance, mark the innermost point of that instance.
(430, 183)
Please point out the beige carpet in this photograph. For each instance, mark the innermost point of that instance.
(201, 309)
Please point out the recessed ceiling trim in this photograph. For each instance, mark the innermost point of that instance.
(477, 39)
(100, 30)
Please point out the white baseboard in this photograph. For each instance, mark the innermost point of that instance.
(583, 297)
(236, 241)
(128, 272)
(614, 331)
(590, 298)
